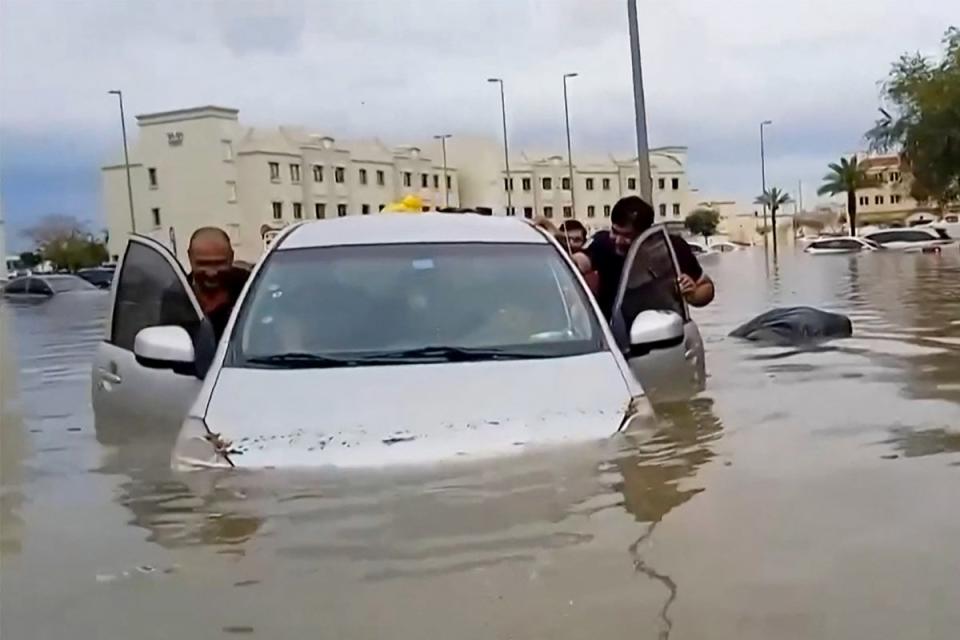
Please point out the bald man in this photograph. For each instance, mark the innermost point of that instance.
(215, 280)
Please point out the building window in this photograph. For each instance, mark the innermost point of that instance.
(675, 183)
(631, 184)
(231, 191)
(227, 150)
(547, 184)
(407, 178)
(894, 199)
(864, 200)
(277, 210)
(880, 177)
(676, 210)
(449, 183)
(588, 183)
(878, 200)
(363, 176)
(297, 211)
(606, 184)
(436, 181)
(527, 211)
(381, 179)
(318, 173)
(565, 183)
(424, 209)
(663, 211)
(275, 171)
(508, 184)
(365, 209)
(152, 177)
(567, 212)
(156, 216)
(548, 212)
(339, 175)
(424, 181)
(894, 176)
(526, 184)
(591, 211)
(511, 211)
(319, 210)
(606, 211)
(341, 210)
(380, 207)
(661, 184)
(294, 173)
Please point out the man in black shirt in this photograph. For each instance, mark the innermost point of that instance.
(215, 281)
(631, 216)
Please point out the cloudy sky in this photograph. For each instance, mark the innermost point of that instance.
(405, 69)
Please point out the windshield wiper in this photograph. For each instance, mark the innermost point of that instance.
(449, 354)
(295, 360)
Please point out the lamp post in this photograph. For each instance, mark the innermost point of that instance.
(443, 145)
(566, 117)
(126, 158)
(639, 106)
(763, 170)
(506, 150)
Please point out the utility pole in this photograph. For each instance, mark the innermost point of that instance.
(126, 158)
(506, 150)
(639, 106)
(443, 145)
(566, 116)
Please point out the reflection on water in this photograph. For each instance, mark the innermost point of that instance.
(808, 493)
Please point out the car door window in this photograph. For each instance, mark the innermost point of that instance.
(17, 286)
(649, 280)
(151, 291)
(38, 287)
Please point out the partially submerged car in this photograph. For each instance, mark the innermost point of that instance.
(43, 287)
(916, 239)
(100, 277)
(372, 340)
(848, 244)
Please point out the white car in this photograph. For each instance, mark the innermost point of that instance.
(848, 244)
(373, 340)
(913, 239)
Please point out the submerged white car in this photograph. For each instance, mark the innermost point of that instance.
(848, 244)
(372, 340)
(916, 239)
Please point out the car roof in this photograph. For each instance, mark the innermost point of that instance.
(400, 228)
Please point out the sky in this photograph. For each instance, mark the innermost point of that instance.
(407, 69)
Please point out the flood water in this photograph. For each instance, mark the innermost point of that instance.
(805, 494)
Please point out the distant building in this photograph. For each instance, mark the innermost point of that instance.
(200, 166)
(890, 202)
(540, 182)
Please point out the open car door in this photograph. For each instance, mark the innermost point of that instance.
(129, 399)
(652, 323)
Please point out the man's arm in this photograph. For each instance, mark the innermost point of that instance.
(695, 285)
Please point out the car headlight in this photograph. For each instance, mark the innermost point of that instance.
(199, 448)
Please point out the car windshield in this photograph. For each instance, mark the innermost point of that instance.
(410, 303)
(942, 234)
(62, 284)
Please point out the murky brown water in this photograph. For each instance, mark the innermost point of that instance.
(806, 494)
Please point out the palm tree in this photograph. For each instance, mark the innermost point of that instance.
(846, 177)
(773, 198)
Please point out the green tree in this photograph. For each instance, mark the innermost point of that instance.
(702, 222)
(922, 121)
(29, 259)
(64, 241)
(846, 176)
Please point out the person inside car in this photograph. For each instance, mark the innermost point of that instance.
(605, 255)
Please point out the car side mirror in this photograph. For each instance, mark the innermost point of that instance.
(165, 347)
(653, 329)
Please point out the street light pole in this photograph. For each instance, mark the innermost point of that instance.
(763, 170)
(126, 159)
(566, 116)
(443, 145)
(506, 150)
(643, 146)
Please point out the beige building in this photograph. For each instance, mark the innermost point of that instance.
(201, 166)
(889, 202)
(540, 185)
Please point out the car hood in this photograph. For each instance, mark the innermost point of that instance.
(412, 414)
